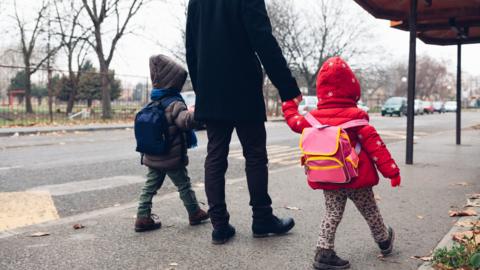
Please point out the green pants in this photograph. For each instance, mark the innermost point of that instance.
(155, 179)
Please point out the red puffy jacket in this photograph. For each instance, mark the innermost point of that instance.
(338, 92)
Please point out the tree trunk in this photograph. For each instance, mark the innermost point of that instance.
(28, 89)
(89, 103)
(73, 92)
(106, 99)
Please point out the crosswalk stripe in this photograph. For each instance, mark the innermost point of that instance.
(270, 148)
(270, 152)
(290, 162)
(89, 185)
(284, 159)
(281, 154)
(288, 150)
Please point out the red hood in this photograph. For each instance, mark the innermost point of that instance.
(337, 85)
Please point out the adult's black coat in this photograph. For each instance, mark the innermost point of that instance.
(225, 42)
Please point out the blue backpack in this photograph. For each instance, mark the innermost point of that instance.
(151, 128)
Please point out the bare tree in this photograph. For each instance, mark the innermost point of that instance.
(9, 56)
(309, 36)
(373, 79)
(434, 81)
(28, 42)
(433, 78)
(178, 50)
(74, 40)
(99, 11)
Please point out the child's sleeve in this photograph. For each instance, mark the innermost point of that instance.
(378, 152)
(293, 118)
(183, 118)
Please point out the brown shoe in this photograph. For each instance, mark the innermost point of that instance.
(144, 224)
(198, 217)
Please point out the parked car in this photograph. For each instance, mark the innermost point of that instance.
(190, 99)
(308, 103)
(428, 107)
(395, 105)
(439, 107)
(418, 108)
(451, 106)
(362, 106)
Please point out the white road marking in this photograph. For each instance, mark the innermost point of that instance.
(277, 154)
(10, 168)
(270, 152)
(90, 185)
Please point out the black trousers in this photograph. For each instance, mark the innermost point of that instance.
(253, 138)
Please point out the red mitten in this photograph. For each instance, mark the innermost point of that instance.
(396, 181)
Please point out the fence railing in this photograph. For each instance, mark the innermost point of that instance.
(130, 93)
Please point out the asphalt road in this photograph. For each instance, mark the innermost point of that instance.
(93, 170)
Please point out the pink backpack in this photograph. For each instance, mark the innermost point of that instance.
(328, 156)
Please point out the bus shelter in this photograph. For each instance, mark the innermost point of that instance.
(435, 22)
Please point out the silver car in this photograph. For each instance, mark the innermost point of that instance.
(308, 104)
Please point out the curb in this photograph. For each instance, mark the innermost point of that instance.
(29, 131)
(447, 240)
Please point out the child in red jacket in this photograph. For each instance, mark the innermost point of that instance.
(338, 92)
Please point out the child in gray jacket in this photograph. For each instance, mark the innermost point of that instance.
(168, 79)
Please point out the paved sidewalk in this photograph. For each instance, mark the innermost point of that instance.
(418, 211)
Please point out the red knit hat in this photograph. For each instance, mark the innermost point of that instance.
(337, 85)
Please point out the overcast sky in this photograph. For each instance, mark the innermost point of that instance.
(157, 24)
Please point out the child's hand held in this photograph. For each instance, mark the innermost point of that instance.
(298, 99)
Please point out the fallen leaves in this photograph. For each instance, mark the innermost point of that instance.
(292, 208)
(78, 226)
(473, 202)
(39, 234)
(420, 217)
(463, 184)
(422, 258)
(467, 237)
(378, 198)
(468, 223)
(462, 213)
(462, 236)
(172, 266)
(474, 196)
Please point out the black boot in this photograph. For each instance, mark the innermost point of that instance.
(386, 247)
(271, 225)
(326, 259)
(221, 235)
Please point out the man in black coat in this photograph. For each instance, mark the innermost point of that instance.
(227, 42)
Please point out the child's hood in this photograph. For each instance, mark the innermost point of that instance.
(337, 85)
(166, 73)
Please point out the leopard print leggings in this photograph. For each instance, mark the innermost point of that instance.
(335, 201)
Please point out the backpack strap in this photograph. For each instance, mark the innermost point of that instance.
(354, 123)
(350, 124)
(314, 122)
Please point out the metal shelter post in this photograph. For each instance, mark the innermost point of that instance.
(412, 60)
(459, 93)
